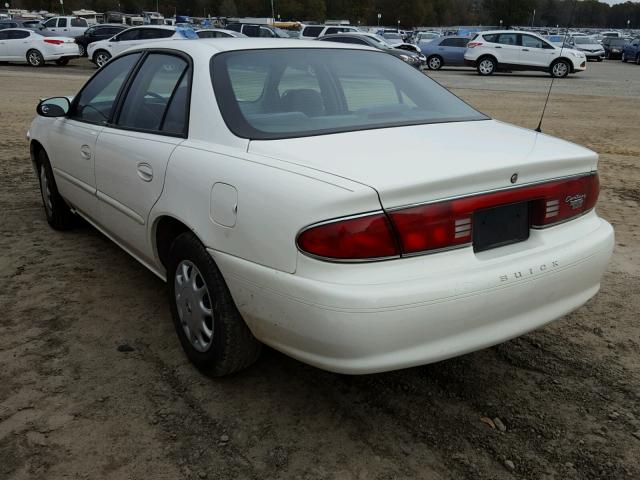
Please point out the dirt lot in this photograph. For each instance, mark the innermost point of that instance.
(73, 406)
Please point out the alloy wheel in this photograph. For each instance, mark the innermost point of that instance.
(486, 67)
(34, 58)
(194, 306)
(434, 63)
(102, 59)
(560, 69)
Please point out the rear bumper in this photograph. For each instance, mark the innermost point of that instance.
(470, 63)
(375, 317)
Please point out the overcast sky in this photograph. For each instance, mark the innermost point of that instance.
(613, 2)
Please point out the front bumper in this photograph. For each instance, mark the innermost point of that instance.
(595, 55)
(374, 317)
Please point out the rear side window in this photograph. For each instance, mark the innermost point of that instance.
(79, 22)
(154, 88)
(508, 38)
(448, 42)
(17, 34)
(251, 30)
(311, 31)
(95, 102)
(532, 42)
(62, 22)
(491, 37)
(154, 33)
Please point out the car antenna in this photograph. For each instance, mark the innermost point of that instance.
(566, 34)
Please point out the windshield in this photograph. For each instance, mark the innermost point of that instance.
(297, 92)
(379, 41)
(616, 42)
(392, 36)
(584, 41)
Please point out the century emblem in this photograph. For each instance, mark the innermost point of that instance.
(514, 178)
(575, 201)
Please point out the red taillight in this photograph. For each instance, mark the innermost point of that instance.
(473, 44)
(445, 224)
(357, 238)
(53, 41)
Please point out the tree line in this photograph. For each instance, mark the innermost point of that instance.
(410, 13)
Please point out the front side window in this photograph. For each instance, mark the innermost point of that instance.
(96, 100)
(285, 93)
(50, 23)
(448, 42)
(152, 91)
(62, 22)
(529, 41)
(4, 34)
(265, 32)
(155, 33)
(251, 30)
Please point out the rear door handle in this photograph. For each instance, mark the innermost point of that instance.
(498, 46)
(525, 49)
(85, 151)
(145, 172)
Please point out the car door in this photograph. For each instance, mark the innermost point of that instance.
(77, 26)
(71, 140)
(4, 35)
(132, 154)
(51, 25)
(17, 43)
(507, 48)
(446, 50)
(63, 27)
(535, 51)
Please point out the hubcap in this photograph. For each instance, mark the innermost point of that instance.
(559, 69)
(486, 66)
(434, 63)
(46, 191)
(194, 307)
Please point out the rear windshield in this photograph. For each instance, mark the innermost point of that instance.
(584, 40)
(286, 93)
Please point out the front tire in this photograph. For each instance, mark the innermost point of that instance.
(59, 215)
(101, 57)
(434, 62)
(83, 50)
(35, 58)
(560, 69)
(638, 59)
(211, 330)
(623, 57)
(486, 66)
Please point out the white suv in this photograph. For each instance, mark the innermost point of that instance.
(513, 50)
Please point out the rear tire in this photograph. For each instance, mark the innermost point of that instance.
(62, 62)
(638, 59)
(623, 58)
(211, 330)
(560, 69)
(101, 57)
(59, 215)
(434, 62)
(83, 50)
(487, 66)
(35, 58)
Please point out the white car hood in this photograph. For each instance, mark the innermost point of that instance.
(421, 163)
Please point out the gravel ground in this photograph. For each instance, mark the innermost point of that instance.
(559, 403)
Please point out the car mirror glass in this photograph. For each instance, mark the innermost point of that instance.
(53, 107)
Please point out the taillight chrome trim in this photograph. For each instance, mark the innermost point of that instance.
(542, 227)
(343, 260)
(496, 190)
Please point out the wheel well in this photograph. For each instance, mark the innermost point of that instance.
(35, 147)
(95, 54)
(167, 230)
(565, 59)
(487, 56)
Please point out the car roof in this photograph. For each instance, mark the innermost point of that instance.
(18, 29)
(217, 45)
(509, 31)
(162, 27)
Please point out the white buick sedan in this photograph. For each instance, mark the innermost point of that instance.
(327, 200)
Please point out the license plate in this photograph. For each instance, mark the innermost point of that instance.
(499, 226)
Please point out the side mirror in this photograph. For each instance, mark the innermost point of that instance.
(40, 27)
(114, 39)
(54, 107)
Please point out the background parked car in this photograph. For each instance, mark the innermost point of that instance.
(631, 51)
(587, 45)
(218, 33)
(316, 31)
(254, 30)
(613, 47)
(514, 50)
(426, 36)
(101, 52)
(444, 51)
(96, 33)
(65, 26)
(372, 40)
(24, 45)
(20, 23)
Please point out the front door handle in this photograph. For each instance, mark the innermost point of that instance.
(525, 49)
(145, 172)
(85, 151)
(498, 46)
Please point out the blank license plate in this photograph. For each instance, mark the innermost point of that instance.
(498, 226)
